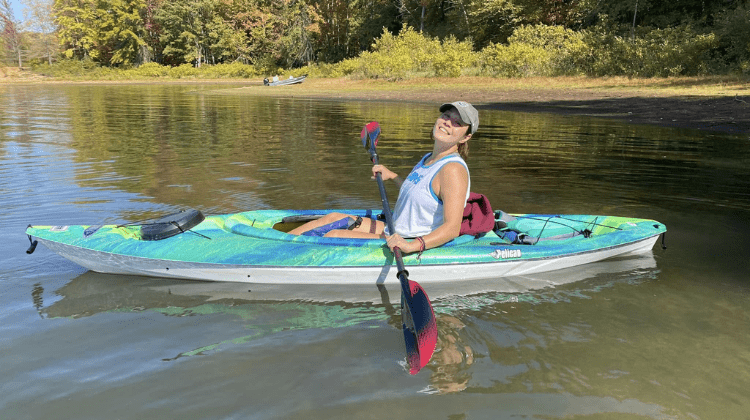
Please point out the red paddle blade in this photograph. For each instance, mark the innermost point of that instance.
(370, 134)
(420, 329)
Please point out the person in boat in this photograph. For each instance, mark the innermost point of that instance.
(431, 200)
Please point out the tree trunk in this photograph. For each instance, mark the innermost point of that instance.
(635, 14)
(402, 10)
(197, 53)
(421, 22)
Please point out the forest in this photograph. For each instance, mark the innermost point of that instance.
(391, 39)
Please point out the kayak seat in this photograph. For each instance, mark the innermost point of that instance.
(241, 226)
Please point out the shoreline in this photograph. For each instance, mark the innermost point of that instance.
(710, 103)
(706, 104)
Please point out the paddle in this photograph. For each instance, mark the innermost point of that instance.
(417, 316)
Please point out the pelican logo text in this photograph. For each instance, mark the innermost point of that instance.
(506, 253)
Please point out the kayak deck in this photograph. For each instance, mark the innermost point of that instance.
(252, 247)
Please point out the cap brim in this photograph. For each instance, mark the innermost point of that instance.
(464, 118)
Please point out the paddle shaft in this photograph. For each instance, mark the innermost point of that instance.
(389, 221)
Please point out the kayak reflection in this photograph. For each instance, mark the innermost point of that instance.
(92, 293)
(272, 308)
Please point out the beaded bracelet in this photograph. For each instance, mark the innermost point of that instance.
(421, 246)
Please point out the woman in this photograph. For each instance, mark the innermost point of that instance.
(431, 200)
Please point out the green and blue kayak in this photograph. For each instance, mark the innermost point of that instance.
(253, 247)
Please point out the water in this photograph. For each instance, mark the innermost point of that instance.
(664, 336)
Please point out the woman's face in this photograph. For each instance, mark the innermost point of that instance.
(448, 127)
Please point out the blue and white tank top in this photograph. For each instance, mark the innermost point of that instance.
(418, 209)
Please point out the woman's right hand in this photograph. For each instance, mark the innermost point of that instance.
(384, 172)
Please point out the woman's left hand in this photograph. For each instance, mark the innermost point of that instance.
(406, 247)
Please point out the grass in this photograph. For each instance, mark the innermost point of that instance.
(535, 89)
(476, 88)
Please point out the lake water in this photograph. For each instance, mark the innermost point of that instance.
(663, 336)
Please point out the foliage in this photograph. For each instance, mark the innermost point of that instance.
(10, 32)
(394, 39)
(184, 34)
(494, 21)
(655, 52)
(149, 70)
(107, 31)
(88, 69)
(43, 41)
(452, 57)
(733, 38)
(553, 51)
(231, 70)
(67, 68)
(412, 53)
(537, 50)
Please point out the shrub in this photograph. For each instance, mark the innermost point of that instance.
(453, 57)
(151, 70)
(554, 51)
(340, 69)
(651, 53)
(183, 70)
(733, 39)
(537, 50)
(411, 53)
(232, 70)
(67, 68)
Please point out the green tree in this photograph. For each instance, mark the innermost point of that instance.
(11, 31)
(733, 30)
(107, 31)
(185, 29)
(337, 26)
(493, 21)
(299, 30)
(75, 21)
(39, 18)
(119, 30)
(151, 49)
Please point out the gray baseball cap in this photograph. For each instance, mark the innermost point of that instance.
(468, 113)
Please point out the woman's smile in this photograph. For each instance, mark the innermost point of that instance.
(449, 124)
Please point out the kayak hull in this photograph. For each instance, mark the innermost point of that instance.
(103, 262)
(252, 247)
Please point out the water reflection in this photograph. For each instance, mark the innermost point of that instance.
(91, 293)
(220, 151)
(272, 309)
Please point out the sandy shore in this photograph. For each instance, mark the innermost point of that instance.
(706, 103)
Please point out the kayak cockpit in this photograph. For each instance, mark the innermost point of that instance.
(274, 225)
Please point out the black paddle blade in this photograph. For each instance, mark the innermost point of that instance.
(420, 329)
(370, 134)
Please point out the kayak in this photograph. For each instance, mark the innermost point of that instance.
(253, 247)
